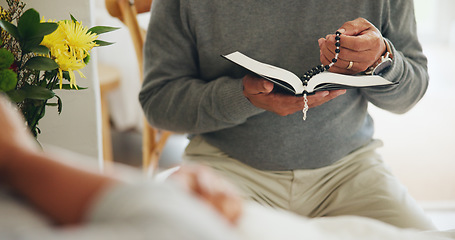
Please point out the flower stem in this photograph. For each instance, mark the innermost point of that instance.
(37, 115)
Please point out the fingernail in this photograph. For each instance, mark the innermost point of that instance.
(325, 93)
(341, 30)
(320, 41)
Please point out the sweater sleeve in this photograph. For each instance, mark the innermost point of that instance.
(409, 63)
(174, 96)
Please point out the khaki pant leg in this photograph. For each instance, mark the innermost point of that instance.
(265, 187)
(359, 184)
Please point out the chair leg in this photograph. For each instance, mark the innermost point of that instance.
(156, 154)
(148, 144)
(106, 130)
(152, 151)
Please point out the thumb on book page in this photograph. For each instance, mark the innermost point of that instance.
(267, 86)
(256, 85)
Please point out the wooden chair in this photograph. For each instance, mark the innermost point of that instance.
(153, 140)
(109, 78)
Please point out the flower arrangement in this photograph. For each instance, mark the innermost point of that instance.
(38, 56)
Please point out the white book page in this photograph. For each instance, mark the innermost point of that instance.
(348, 80)
(267, 71)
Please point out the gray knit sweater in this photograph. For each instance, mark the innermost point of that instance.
(189, 88)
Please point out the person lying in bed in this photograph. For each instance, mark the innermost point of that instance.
(43, 198)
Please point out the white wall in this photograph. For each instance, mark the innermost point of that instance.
(436, 21)
(78, 127)
(419, 144)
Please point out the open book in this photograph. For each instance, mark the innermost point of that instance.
(289, 81)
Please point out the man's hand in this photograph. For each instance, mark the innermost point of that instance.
(259, 92)
(361, 43)
(212, 189)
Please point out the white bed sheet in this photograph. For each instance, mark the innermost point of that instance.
(266, 224)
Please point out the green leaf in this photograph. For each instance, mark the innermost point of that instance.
(73, 18)
(87, 59)
(60, 104)
(17, 96)
(46, 28)
(29, 44)
(28, 24)
(41, 63)
(36, 103)
(10, 28)
(38, 92)
(102, 29)
(41, 115)
(66, 75)
(102, 43)
(68, 87)
(40, 49)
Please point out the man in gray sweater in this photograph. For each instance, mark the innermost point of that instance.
(324, 166)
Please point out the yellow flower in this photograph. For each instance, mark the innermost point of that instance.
(69, 63)
(4, 15)
(69, 45)
(78, 39)
(55, 40)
